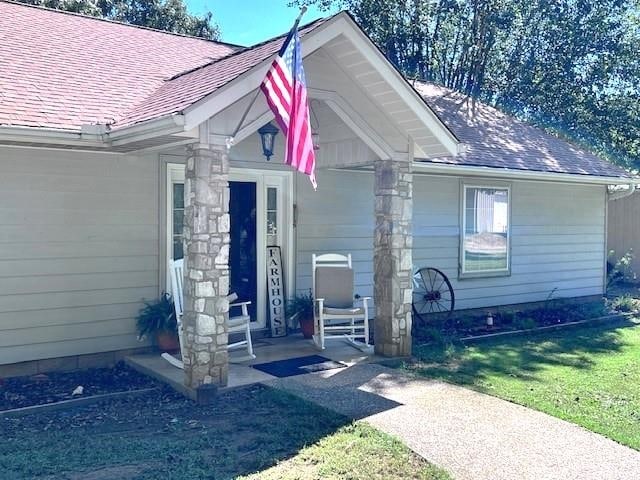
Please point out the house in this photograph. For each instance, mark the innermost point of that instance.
(106, 128)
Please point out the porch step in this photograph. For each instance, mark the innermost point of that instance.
(154, 366)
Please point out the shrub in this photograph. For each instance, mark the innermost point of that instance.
(621, 270)
(624, 303)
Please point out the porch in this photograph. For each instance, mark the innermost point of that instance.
(231, 204)
(241, 370)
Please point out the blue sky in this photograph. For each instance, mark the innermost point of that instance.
(246, 22)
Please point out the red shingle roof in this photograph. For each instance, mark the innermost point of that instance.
(186, 89)
(495, 139)
(61, 70)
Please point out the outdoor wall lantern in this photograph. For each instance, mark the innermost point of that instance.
(315, 139)
(315, 126)
(268, 134)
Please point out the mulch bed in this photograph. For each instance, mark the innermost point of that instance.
(556, 313)
(54, 387)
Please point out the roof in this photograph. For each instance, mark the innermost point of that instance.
(494, 139)
(187, 88)
(93, 71)
(89, 70)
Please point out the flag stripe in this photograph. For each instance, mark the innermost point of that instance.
(271, 93)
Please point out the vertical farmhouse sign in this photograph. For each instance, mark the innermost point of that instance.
(275, 284)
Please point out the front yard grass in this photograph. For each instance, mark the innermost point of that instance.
(587, 375)
(164, 436)
(357, 451)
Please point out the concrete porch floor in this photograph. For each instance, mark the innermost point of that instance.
(241, 372)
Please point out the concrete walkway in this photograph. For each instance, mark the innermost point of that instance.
(471, 435)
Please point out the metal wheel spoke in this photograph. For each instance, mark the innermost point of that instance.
(423, 281)
(444, 308)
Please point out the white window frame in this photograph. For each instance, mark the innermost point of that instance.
(464, 185)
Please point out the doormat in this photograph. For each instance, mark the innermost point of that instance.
(298, 366)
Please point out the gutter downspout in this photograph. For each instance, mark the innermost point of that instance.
(619, 194)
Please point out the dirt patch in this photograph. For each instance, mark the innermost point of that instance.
(162, 436)
(49, 388)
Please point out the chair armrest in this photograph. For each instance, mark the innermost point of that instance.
(364, 300)
(243, 305)
(239, 304)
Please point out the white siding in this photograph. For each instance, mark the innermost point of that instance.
(78, 251)
(558, 234)
(337, 218)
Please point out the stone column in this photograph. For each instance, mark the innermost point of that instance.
(392, 263)
(206, 276)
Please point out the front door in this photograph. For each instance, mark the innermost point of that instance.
(243, 252)
(260, 215)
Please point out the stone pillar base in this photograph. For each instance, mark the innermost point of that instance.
(393, 244)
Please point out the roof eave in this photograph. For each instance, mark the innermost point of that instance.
(507, 173)
(164, 125)
(47, 135)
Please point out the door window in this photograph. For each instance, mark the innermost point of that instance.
(177, 232)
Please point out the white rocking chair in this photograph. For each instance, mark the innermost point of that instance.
(336, 315)
(239, 324)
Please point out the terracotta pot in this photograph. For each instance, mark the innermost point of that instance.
(167, 341)
(306, 325)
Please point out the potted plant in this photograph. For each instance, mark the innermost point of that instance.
(158, 319)
(300, 308)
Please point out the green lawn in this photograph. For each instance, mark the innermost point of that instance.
(589, 375)
(164, 436)
(357, 451)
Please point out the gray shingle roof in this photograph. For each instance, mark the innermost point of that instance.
(494, 139)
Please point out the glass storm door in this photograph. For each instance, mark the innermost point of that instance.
(243, 252)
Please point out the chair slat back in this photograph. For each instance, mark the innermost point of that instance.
(176, 270)
(335, 286)
(327, 262)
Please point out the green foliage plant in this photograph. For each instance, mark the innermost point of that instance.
(157, 316)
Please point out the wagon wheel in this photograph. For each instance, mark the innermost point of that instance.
(432, 293)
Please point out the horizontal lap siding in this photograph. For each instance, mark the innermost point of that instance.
(557, 241)
(338, 218)
(557, 236)
(78, 251)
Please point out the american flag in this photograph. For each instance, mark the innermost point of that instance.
(286, 92)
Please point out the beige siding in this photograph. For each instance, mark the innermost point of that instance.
(78, 251)
(557, 236)
(624, 228)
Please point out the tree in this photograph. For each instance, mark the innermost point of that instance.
(168, 15)
(569, 66)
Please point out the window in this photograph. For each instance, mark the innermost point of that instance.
(485, 225)
(178, 220)
(272, 216)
